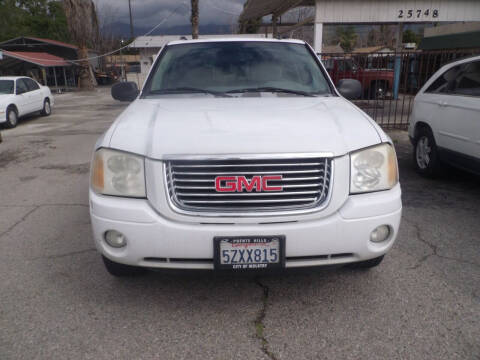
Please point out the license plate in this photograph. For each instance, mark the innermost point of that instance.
(249, 252)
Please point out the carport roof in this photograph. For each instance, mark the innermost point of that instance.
(259, 8)
(37, 58)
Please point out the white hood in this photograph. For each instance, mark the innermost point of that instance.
(244, 125)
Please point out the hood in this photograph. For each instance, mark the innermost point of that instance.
(244, 125)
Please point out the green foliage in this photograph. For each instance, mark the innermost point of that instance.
(347, 37)
(38, 18)
(410, 37)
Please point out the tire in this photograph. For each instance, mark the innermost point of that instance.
(378, 90)
(425, 154)
(12, 117)
(47, 109)
(367, 264)
(121, 270)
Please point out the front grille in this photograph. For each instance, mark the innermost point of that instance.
(305, 183)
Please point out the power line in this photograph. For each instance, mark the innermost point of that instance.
(119, 49)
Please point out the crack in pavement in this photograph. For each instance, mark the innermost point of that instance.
(35, 208)
(434, 249)
(259, 325)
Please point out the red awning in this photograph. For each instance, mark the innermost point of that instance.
(38, 58)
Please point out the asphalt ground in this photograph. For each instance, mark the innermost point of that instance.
(58, 302)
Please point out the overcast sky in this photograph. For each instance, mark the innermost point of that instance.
(148, 13)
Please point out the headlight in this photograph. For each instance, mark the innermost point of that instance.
(118, 173)
(373, 169)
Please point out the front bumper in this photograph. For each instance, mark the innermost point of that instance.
(158, 242)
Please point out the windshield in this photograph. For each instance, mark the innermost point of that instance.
(237, 66)
(6, 86)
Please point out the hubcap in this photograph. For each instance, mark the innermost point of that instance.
(423, 152)
(12, 117)
(47, 108)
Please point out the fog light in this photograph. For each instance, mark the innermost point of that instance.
(380, 234)
(115, 239)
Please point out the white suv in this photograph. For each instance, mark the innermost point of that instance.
(445, 122)
(242, 155)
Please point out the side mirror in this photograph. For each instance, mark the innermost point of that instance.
(125, 91)
(350, 88)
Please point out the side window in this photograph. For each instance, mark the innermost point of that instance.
(445, 83)
(468, 81)
(21, 87)
(32, 85)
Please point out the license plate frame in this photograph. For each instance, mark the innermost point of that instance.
(245, 242)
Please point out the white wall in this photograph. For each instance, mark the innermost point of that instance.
(371, 11)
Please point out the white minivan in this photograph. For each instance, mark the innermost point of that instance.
(242, 155)
(445, 121)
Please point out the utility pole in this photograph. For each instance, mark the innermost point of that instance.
(131, 19)
(194, 18)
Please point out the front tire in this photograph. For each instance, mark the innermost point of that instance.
(367, 264)
(121, 270)
(47, 109)
(425, 154)
(12, 117)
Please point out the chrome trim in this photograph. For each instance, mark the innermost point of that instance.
(250, 212)
(265, 156)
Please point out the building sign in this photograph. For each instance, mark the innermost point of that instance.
(394, 11)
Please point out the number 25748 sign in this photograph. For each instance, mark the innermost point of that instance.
(418, 14)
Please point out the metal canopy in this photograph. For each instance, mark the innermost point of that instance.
(259, 8)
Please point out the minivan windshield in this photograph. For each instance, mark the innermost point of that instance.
(6, 86)
(227, 68)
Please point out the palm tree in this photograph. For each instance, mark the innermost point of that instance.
(83, 27)
(347, 38)
(194, 18)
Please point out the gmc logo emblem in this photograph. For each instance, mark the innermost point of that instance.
(239, 183)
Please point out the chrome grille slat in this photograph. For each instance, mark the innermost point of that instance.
(306, 185)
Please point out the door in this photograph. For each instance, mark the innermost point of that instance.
(22, 97)
(460, 110)
(35, 94)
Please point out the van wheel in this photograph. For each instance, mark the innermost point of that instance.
(425, 154)
(47, 109)
(121, 270)
(12, 117)
(367, 264)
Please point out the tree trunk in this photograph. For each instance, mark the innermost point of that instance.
(85, 79)
(194, 19)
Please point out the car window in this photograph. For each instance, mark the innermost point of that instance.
(229, 66)
(32, 85)
(6, 86)
(468, 81)
(345, 65)
(21, 86)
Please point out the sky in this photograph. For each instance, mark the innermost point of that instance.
(149, 13)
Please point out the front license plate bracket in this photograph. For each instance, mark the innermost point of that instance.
(255, 252)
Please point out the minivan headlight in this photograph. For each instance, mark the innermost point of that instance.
(118, 173)
(373, 169)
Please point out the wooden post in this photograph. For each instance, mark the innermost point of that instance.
(65, 77)
(274, 26)
(55, 76)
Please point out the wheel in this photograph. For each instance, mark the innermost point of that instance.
(47, 109)
(425, 154)
(121, 270)
(378, 90)
(367, 264)
(12, 117)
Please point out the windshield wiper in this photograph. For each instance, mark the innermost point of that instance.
(271, 89)
(186, 90)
